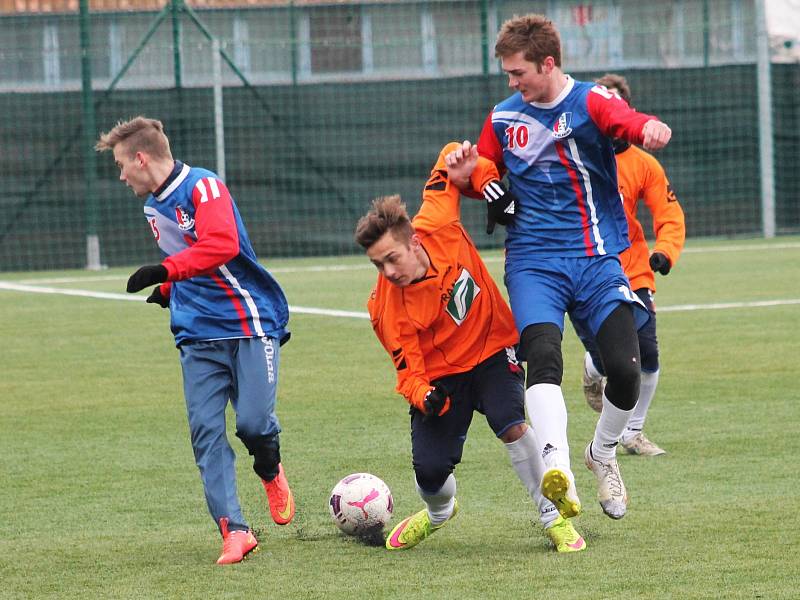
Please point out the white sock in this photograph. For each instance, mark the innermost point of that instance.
(646, 393)
(609, 429)
(528, 464)
(588, 363)
(548, 416)
(440, 505)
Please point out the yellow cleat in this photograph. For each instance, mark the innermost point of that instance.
(564, 536)
(559, 489)
(412, 530)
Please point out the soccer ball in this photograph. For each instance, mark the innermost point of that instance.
(361, 503)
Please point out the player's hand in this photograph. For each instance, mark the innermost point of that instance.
(146, 276)
(659, 263)
(501, 205)
(460, 164)
(158, 298)
(437, 401)
(655, 135)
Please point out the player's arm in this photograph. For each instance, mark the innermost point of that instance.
(669, 225)
(616, 119)
(217, 242)
(400, 339)
(465, 164)
(441, 199)
(217, 235)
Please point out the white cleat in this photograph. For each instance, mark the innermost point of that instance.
(593, 390)
(610, 488)
(640, 445)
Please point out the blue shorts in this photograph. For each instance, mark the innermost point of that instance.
(542, 290)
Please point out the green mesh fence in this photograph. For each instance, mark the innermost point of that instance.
(325, 107)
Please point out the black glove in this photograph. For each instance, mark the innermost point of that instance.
(146, 276)
(659, 263)
(500, 205)
(158, 298)
(437, 401)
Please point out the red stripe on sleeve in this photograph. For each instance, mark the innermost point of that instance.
(489, 146)
(217, 235)
(614, 117)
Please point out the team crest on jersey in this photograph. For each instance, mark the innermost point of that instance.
(563, 126)
(465, 290)
(185, 222)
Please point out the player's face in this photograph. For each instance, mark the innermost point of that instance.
(533, 81)
(398, 260)
(131, 170)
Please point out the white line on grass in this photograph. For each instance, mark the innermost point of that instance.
(724, 305)
(309, 310)
(366, 266)
(34, 289)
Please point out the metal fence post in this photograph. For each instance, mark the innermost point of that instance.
(765, 133)
(90, 160)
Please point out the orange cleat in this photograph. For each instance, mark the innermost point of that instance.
(236, 544)
(279, 496)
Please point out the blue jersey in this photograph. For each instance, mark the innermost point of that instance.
(561, 168)
(216, 286)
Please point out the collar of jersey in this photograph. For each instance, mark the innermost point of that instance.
(177, 179)
(567, 89)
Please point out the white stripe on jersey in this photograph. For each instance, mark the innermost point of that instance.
(573, 150)
(248, 299)
(214, 187)
(512, 116)
(175, 183)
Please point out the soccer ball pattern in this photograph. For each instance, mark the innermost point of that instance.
(361, 503)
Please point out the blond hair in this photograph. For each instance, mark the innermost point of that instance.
(534, 35)
(388, 213)
(139, 134)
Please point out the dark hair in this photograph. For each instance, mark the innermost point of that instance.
(618, 82)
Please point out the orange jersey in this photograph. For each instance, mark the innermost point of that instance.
(455, 317)
(641, 176)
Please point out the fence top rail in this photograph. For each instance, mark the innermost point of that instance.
(28, 7)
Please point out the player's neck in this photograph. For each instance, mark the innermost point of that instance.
(559, 82)
(424, 263)
(159, 173)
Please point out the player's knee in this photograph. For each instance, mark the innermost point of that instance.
(648, 348)
(431, 476)
(266, 453)
(513, 433)
(541, 348)
(624, 378)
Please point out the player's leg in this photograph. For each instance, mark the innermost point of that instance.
(593, 379)
(499, 394)
(207, 384)
(254, 398)
(606, 306)
(437, 444)
(539, 296)
(633, 438)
